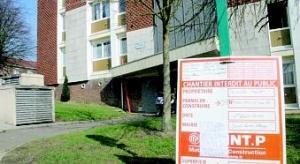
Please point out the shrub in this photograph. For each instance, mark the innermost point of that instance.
(65, 94)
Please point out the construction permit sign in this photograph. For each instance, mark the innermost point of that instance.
(230, 111)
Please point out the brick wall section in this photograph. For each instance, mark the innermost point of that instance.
(136, 15)
(47, 41)
(89, 94)
(73, 4)
(107, 93)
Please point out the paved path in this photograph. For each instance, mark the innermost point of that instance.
(10, 139)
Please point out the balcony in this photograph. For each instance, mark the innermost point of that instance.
(122, 19)
(100, 25)
(101, 65)
(280, 39)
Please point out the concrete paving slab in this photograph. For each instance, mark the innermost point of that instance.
(4, 127)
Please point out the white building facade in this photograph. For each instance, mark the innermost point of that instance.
(99, 41)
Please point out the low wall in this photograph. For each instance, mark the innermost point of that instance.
(100, 91)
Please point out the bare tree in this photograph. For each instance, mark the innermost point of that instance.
(165, 11)
(14, 36)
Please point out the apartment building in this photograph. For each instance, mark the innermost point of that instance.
(111, 49)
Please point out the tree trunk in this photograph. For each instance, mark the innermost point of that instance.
(166, 121)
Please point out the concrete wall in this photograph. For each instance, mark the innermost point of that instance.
(140, 43)
(201, 49)
(246, 39)
(116, 32)
(31, 79)
(76, 47)
(7, 105)
(294, 20)
(60, 42)
(113, 34)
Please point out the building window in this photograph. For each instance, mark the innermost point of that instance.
(289, 82)
(96, 11)
(123, 46)
(101, 10)
(122, 6)
(277, 15)
(280, 37)
(101, 50)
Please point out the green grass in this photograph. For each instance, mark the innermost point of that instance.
(84, 112)
(293, 139)
(293, 116)
(124, 143)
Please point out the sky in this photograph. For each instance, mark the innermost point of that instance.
(29, 9)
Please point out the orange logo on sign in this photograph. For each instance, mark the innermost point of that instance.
(194, 139)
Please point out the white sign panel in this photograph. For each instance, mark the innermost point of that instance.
(230, 111)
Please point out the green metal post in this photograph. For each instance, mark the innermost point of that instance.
(223, 29)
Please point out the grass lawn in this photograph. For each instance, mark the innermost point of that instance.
(293, 139)
(83, 112)
(125, 143)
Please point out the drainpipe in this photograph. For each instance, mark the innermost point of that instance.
(223, 28)
(122, 96)
(127, 98)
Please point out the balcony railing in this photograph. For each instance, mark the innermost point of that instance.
(122, 19)
(100, 25)
(102, 65)
(280, 39)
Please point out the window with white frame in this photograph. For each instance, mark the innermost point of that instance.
(101, 50)
(122, 6)
(289, 82)
(100, 10)
(123, 45)
(277, 15)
